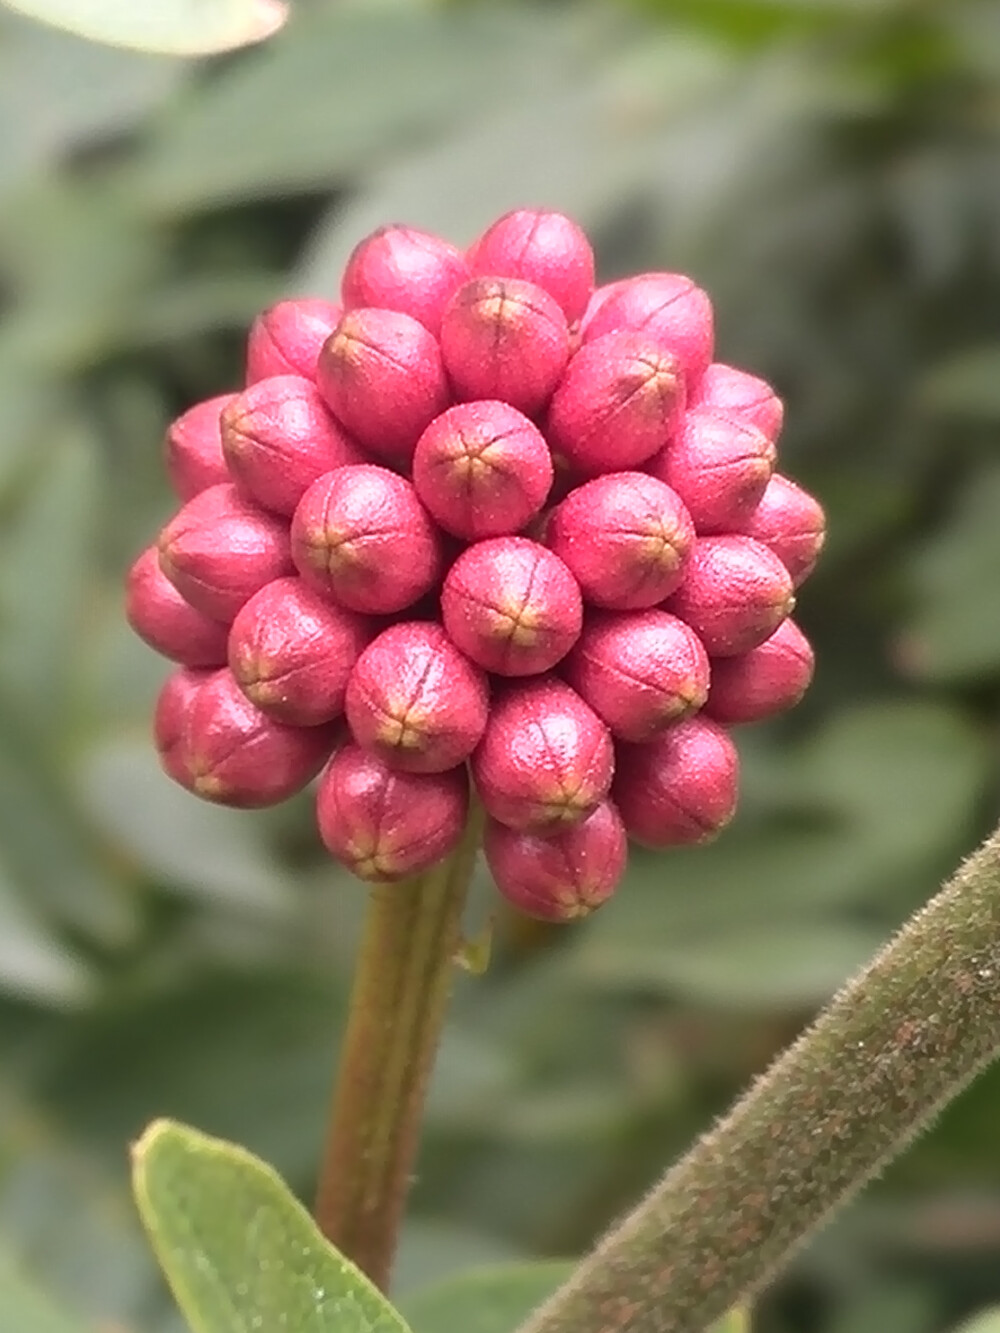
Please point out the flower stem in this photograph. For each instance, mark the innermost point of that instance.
(898, 1042)
(413, 932)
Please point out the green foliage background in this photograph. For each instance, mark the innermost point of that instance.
(830, 170)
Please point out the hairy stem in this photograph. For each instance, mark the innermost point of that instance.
(413, 932)
(901, 1040)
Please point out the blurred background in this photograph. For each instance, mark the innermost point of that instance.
(830, 171)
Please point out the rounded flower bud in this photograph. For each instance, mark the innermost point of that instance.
(598, 299)
(681, 787)
(384, 825)
(719, 466)
(564, 876)
(546, 758)
(790, 522)
(173, 707)
(226, 750)
(668, 308)
(381, 375)
(361, 536)
(482, 469)
(163, 619)
(619, 402)
(640, 671)
(735, 594)
(278, 438)
(625, 538)
(511, 606)
(291, 652)
(504, 338)
(194, 454)
(401, 268)
(740, 394)
(415, 701)
(219, 550)
(542, 247)
(286, 339)
(763, 682)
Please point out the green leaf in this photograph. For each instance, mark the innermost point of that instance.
(24, 1307)
(987, 1321)
(171, 27)
(486, 1300)
(240, 1253)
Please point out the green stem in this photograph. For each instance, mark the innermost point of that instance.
(413, 932)
(899, 1042)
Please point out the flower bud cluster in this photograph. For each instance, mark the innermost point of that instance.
(481, 524)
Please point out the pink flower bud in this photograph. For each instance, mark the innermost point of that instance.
(173, 707)
(286, 339)
(681, 787)
(512, 606)
(546, 758)
(564, 876)
(625, 538)
(740, 394)
(507, 339)
(384, 825)
(361, 536)
(291, 652)
(219, 550)
(163, 619)
(735, 594)
(669, 309)
(719, 466)
(598, 299)
(618, 403)
(381, 375)
(401, 268)
(482, 469)
(278, 438)
(763, 682)
(640, 671)
(545, 248)
(415, 701)
(194, 448)
(789, 522)
(223, 749)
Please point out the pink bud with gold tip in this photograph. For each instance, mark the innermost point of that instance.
(735, 594)
(173, 707)
(361, 537)
(291, 652)
(415, 701)
(739, 394)
(381, 375)
(765, 681)
(384, 825)
(229, 752)
(668, 308)
(220, 549)
(625, 537)
(194, 454)
(619, 402)
(681, 787)
(511, 606)
(546, 758)
(482, 469)
(719, 466)
(286, 339)
(504, 338)
(562, 877)
(542, 247)
(163, 619)
(402, 268)
(278, 438)
(640, 671)
(790, 522)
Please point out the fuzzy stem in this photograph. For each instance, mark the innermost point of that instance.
(898, 1042)
(413, 932)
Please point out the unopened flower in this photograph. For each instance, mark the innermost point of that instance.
(789, 522)
(563, 876)
(163, 619)
(742, 395)
(667, 308)
(719, 466)
(286, 339)
(769, 679)
(734, 595)
(542, 247)
(404, 269)
(194, 456)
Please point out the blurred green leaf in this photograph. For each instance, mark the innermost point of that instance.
(486, 1300)
(26, 1309)
(987, 1321)
(173, 27)
(965, 385)
(33, 962)
(236, 1246)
